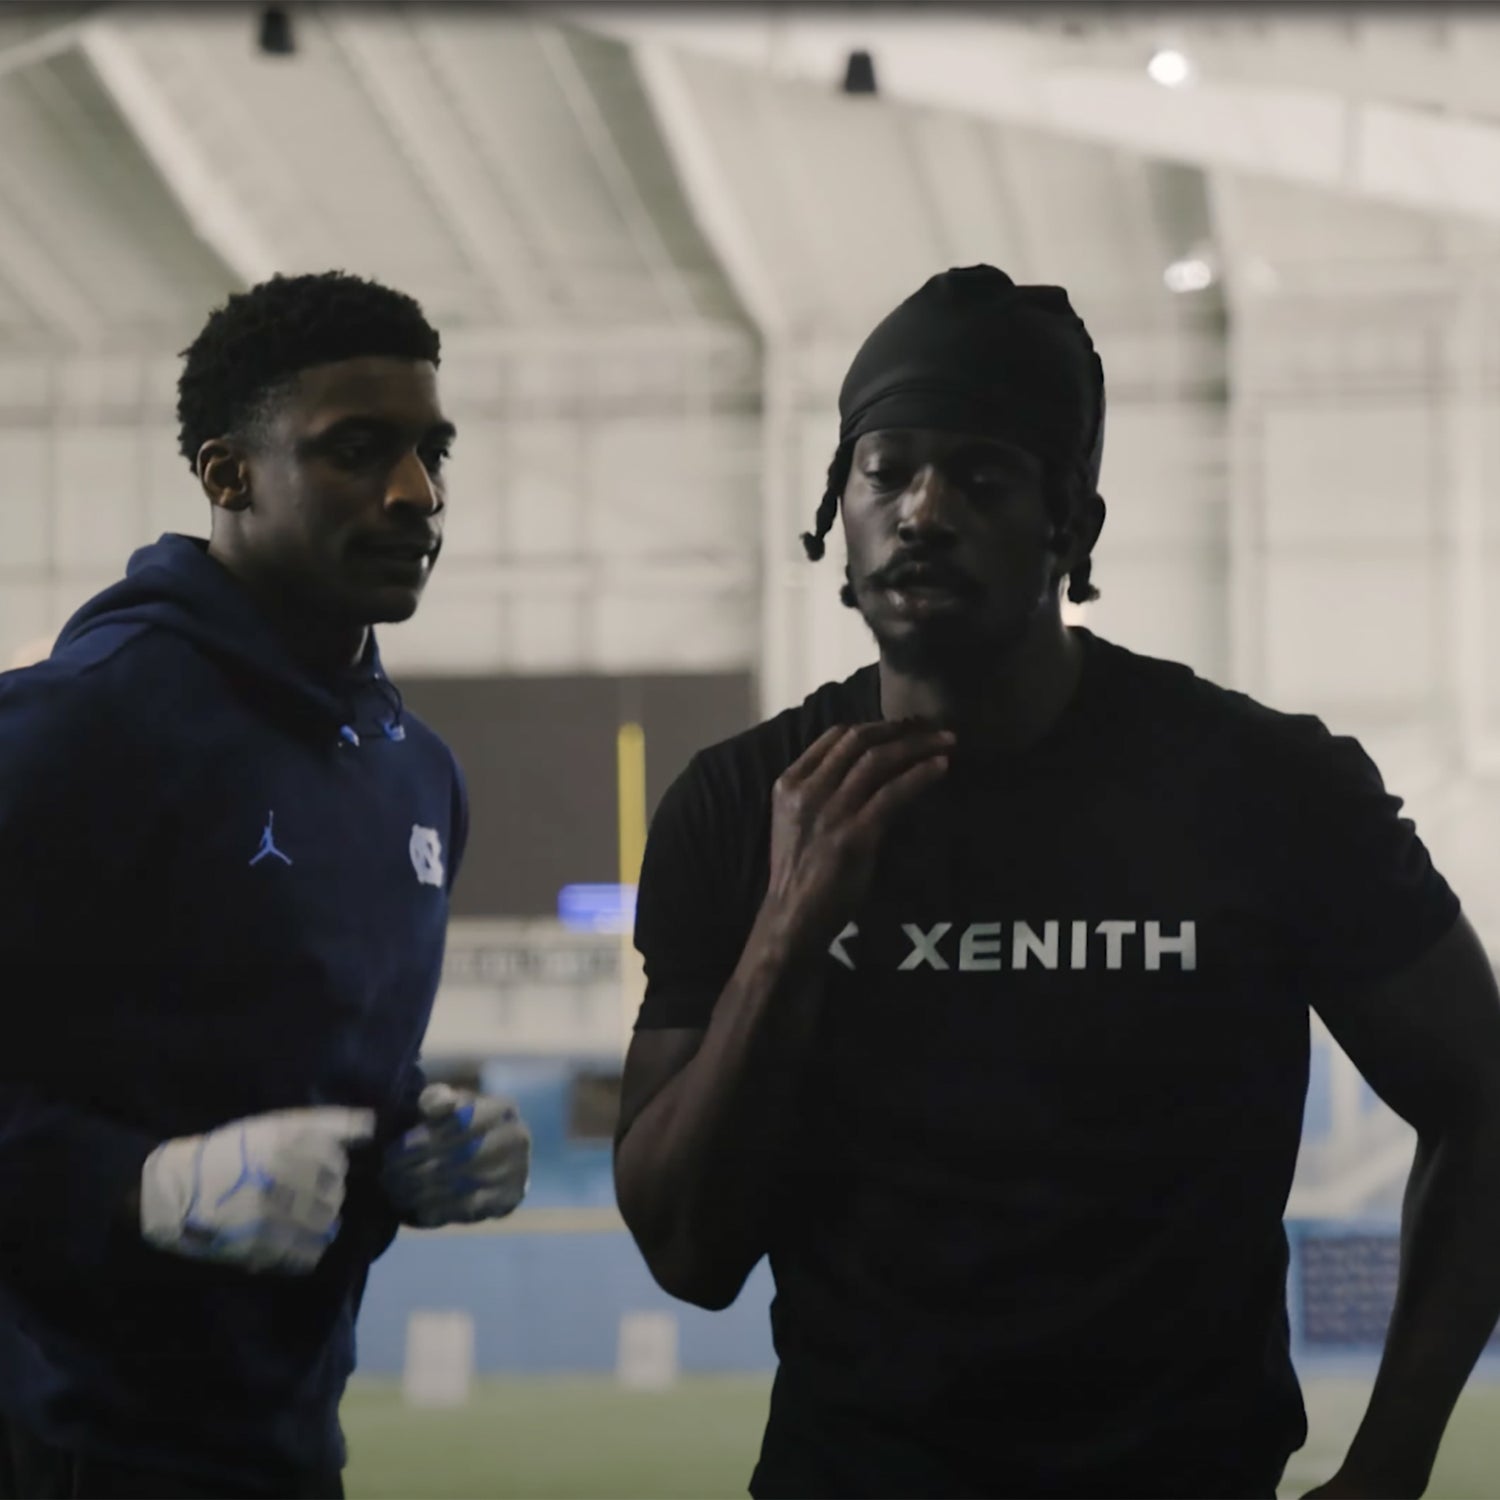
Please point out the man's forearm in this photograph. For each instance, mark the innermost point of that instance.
(697, 1169)
(1446, 1306)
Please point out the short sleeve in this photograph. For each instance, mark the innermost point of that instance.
(1356, 886)
(690, 923)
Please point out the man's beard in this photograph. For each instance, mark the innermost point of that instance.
(951, 648)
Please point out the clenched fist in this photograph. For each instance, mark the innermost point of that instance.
(262, 1193)
(469, 1159)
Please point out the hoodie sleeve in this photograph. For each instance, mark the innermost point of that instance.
(458, 833)
(69, 812)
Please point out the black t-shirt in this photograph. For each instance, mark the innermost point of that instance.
(1029, 1236)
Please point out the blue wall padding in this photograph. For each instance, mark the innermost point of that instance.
(548, 1303)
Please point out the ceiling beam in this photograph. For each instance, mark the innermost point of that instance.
(619, 181)
(1444, 59)
(387, 58)
(1387, 152)
(706, 185)
(24, 47)
(216, 215)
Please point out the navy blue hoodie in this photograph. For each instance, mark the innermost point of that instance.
(223, 890)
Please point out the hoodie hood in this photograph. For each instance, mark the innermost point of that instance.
(175, 585)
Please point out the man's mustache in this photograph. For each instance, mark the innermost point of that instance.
(913, 571)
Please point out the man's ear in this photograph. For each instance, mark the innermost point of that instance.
(224, 473)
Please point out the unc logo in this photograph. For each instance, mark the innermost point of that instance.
(427, 855)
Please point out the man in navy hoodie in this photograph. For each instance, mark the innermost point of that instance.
(225, 863)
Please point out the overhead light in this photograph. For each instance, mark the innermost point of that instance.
(1193, 273)
(859, 74)
(1170, 68)
(276, 38)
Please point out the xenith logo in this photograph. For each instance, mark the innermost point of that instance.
(984, 947)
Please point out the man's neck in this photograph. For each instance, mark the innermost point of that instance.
(324, 648)
(1007, 709)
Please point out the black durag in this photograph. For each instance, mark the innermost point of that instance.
(973, 352)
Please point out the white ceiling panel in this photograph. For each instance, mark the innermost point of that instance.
(508, 173)
(851, 203)
(91, 241)
(307, 152)
(976, 214)
(1289, 238)
(515, 169)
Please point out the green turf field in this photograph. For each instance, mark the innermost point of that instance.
(546, 1439)
(583, 1438)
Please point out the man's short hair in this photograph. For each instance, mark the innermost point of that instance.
(251, 347)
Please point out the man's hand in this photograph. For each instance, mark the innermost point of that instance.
(263, 1193)
(829, 811)
(469, 1159)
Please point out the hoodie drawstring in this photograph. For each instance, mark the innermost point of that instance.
(390, 726)
(393, 727)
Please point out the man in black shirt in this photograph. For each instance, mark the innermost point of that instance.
(978, 988)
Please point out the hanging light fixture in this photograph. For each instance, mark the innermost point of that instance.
(276, 38)
(859, 74)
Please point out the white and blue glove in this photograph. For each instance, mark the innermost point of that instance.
(263, 1193)
(469, 1159)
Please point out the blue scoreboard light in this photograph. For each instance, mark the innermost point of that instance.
(597, 908)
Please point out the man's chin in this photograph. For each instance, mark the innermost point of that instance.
(389, 606)
(945, 648)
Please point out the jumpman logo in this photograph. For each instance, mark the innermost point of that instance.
(268, 843)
